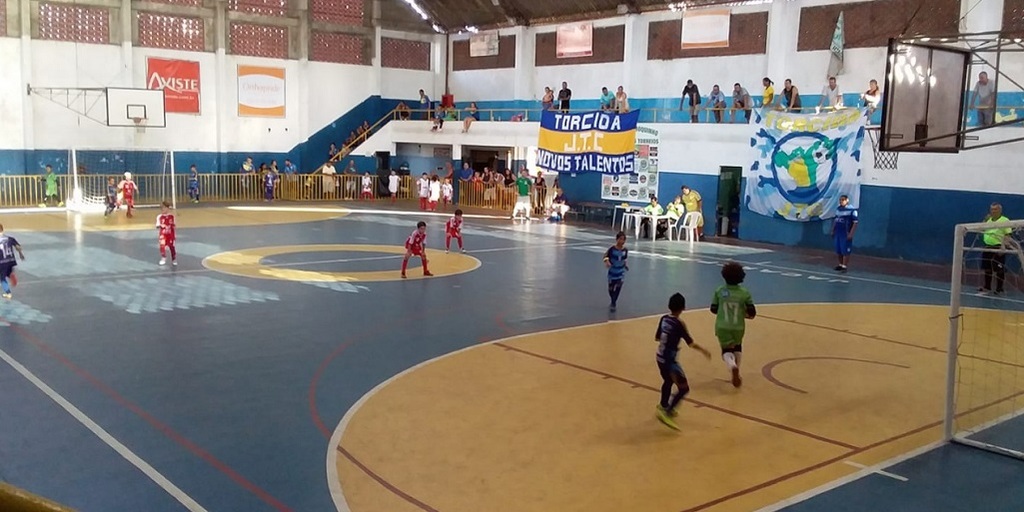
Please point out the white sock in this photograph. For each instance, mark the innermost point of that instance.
(730, 360)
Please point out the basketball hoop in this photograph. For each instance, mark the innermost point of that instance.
(884, 160)
(140, 124)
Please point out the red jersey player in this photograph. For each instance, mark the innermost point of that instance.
(165, 226)
(415, 245)
(128, 188)
(453, 229)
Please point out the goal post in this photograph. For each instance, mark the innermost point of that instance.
(984, 405)
(90, 169)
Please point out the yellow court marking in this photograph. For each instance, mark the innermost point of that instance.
(249, 263)
(564, 420)
(145, 218)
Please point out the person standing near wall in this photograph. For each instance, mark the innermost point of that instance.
(843, 226)
(694, 203)
(993, 260)
(564, 97)
(983, 99)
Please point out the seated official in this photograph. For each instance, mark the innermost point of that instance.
(653, 209)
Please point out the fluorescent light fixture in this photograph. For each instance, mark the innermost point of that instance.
(419, 10)
(472, 30)
(437, 28)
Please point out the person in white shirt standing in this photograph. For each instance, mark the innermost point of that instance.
(423, 184)
(446, 193)
(830, 95)
(435, 192)
(983, 99)
(367, 187)
(329, 179)
(393, 182)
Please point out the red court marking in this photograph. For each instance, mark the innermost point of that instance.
(157, 424)
(713, 407)
(770, 367)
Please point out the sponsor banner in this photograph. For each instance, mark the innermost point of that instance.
(483, 45)
(603, 142)
(804, 162)
(639, 185)
(179, 80)
(574, 40)
(261, 91)
(705, 29)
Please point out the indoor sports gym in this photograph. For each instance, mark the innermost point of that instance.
(218, 295)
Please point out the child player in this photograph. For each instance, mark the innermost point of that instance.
(446, 193)
(8, 246)
(843, 226)
(615, 262)
(128, 188)
(453, 229)
(393, 183)
(165, 226)
(732, 305)
(193, 184)
(670, 331)
(415, 245)
(111, 196)
(269, 182)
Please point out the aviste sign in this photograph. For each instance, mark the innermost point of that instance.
(180, 81)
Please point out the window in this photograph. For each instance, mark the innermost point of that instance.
(67, 22)
(404, 54)
(341, 12)
(259, 40)
(277, 8)
(174, 32)
(195, 3)
(338, 48)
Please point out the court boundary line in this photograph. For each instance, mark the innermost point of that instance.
(126, 453)
(334, 444)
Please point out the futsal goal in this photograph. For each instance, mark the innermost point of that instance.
(90, 171)
(985, 372)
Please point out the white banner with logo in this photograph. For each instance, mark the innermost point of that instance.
(639, 185)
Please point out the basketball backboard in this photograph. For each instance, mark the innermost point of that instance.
(126, 105)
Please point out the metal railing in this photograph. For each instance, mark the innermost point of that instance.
(498, 197)
(152, 189)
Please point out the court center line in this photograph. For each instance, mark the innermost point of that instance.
(105, 436)
(700, 403)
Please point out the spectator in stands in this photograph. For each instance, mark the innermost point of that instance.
(331, 151)
(768, 96)
(741, 101)
(692, 93)
(540, 193)
(349, 177)
(548, 100)
(438, 120)
(872, 97)
(470, 116)
(983, 99)
(425, 104)
(790, 97)
(81, 170)
(403, 111)
(510, 179)
(329, 180)
(830, 95)
(564, 97)
(716, 102)
(273, 167)
(607, 100)
(559, 205)
(467, 172)
(488, 180)
(360, 135)
(366, 128)
(621, 101)
(289, 167)
(449, 171)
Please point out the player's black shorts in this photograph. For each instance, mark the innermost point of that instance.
(668, 369)
(734, 348)
(6, 269)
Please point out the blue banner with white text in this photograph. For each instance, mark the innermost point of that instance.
(602, 142)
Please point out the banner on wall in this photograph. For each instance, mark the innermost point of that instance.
(705, 29)
(261, 91)
(804, 162)
(639, 185)
(483, 45)
(179, 80)
(603, 142)
(574, 40)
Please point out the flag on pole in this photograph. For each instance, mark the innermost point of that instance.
(835, 62)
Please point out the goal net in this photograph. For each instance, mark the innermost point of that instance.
(985, 379)
(91, 170)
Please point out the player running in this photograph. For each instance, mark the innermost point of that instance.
(732, 305)
(165, 226)
(8, 246)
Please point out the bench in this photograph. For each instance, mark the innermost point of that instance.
(596, 212)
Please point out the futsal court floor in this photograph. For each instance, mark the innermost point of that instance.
(284, 365)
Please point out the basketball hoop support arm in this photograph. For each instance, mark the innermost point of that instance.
(80, 100)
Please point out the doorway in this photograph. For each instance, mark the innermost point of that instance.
(727, 212)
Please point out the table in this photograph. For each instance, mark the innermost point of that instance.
(625, 210)
(654, 223)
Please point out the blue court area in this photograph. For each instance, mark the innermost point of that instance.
(130, 386)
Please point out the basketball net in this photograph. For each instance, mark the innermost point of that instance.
(884, 160)
(140, 125)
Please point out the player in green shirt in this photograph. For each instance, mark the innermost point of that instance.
(523, 184)
(732, 306)
(51, 188)
(993, 262)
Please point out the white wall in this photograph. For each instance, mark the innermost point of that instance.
(12, 94)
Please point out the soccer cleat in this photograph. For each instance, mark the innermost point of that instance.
(737, 381)
(838, 268)
(174, 263)
(446, 251)
(463, 251)
(7, 295)
(163, 261)
(403, 275)
(611, 307)
(428, 274)
(665, 419)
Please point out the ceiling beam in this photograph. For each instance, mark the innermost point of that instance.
(512, 12)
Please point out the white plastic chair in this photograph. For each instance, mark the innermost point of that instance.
(689, 226)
